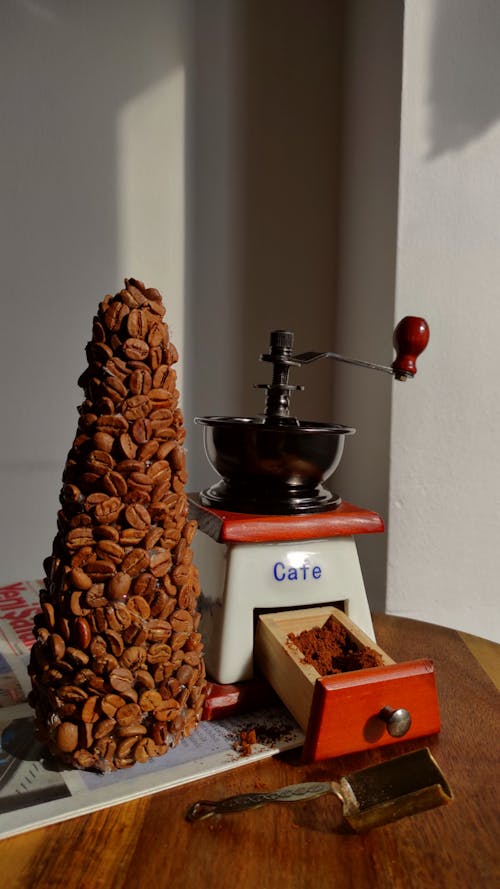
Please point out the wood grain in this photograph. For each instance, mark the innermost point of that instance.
(147, 843)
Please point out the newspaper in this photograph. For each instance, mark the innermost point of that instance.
(36, 791)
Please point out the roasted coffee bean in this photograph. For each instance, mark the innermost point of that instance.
(83, 633)
(132, 536)
(115, 367)
(94, 597)
(118, 616)
(158, 653)
(79, 537)
(144, 678)
(133, 730)
(110, 550)
(114, 315)
(141, 430)
(108, 510)
(76, 603)
(100, 569)
(181, 621)
(138, 323)
(160, 561)
(140, 480)
(159, 471)
(140, 381)
(144, 749)
(139, 607)
(106, 532)
(136, 406)
(77, 657)
(135, 561)
(138, 516)
(119, 586)
(90, 712)
(111, 703)
(121, 679)
(159, 630)
(112, 424)
(152, 537)
(114, 484)
(162, 411)
(79, 579)
(81, 556)
(72, 693)
(67, 737)
(132, 659)
(148, 450)
(150, 700)
(125, 467)
(144, 585)
(104, 727)
(127, 446)
(115, 643)
(128, 714)
(136, 349)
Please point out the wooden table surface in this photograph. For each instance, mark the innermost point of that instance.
(147, 843)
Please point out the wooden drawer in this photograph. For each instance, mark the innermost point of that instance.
(342, 713)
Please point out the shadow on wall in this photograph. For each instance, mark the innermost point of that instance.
(290, 133)
(262, 139)
(464, 71)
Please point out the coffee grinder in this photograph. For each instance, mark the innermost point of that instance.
(271, 536)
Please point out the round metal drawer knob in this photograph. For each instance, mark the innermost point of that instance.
(398, 721)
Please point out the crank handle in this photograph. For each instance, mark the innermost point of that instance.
(410, 339)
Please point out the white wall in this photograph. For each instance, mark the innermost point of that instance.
(444, 528)
(190, 144)
(92, 163)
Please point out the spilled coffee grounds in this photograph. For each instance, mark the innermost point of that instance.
(331, 649)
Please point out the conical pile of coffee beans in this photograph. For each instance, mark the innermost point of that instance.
(116, 669)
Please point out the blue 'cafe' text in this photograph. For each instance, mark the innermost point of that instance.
(303, 572)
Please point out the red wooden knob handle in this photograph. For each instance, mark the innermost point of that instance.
(410, 339)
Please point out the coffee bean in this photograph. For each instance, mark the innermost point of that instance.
(67, 737)
(79, 579)
(138, 516)
(114, 484)
(119, 586)
(108, 510)
(140, 381)
(112, 424)
(149, 700)
(138, 606)
(148, 450)
(128, 447)
(83, 633)
(136, 349)
(121, 679)
(141, 430)
(135, 561)
(133, 658)
(129, 714)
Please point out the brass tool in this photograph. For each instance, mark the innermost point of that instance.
(377, 795)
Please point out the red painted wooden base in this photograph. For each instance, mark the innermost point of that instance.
(234, 527)
(242, 697)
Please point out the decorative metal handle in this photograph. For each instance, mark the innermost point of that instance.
(291, 794)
